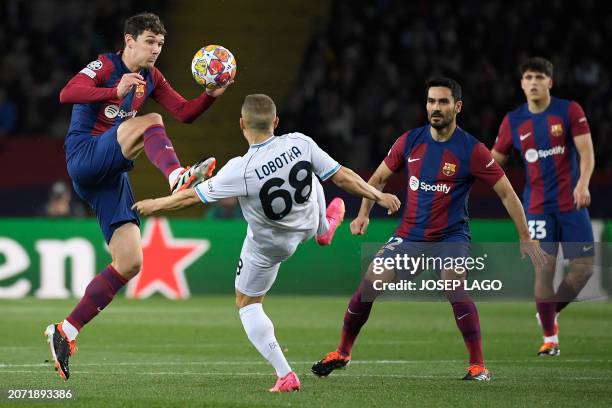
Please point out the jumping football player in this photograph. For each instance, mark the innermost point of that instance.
(104, 138)
(550, 134)
(284, 204)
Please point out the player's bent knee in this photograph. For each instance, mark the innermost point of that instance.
(154, 118)
(129, 269)
(243, 300)
(582, 267)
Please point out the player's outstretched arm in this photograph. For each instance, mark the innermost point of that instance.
(510, 200)
(378, 181)
(178, 201)
(350, 181)
(183, 110)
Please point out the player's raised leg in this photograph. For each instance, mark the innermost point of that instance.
(260, 331)
(329, 218)
(148, 133)
(126, 253)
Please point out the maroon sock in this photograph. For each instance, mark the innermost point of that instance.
(547, 308)
(565, 295)
(356, 315)
(466, 317)
(159, 150)
(98, 295)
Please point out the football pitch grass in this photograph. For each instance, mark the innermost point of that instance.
(194, 353)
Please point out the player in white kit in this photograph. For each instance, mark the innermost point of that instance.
(284, 205)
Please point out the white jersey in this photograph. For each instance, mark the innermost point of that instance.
(273, 182)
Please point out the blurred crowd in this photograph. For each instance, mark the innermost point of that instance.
(361, 83)
(43, 43)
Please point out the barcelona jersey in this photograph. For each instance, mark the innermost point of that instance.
(546, 144)
(95, 161)
(440, 176)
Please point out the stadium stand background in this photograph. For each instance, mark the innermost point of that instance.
(348, 73)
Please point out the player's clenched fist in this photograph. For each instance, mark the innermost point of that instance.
(127, 82)
(390, 202)
(359, 226)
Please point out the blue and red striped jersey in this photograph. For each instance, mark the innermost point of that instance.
(93, 91)
(440, 176)
(546, 143)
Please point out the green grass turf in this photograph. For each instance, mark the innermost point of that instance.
(194, 353)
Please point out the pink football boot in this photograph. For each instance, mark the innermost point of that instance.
(288, 383)
(334, 215)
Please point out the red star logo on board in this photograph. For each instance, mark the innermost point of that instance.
(165, 259)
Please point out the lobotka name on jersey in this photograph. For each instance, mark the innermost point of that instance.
(278, 162)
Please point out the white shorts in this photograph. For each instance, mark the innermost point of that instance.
(256, 271)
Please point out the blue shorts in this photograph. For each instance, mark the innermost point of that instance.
(571, 228)
(453, 246)
(99, 175)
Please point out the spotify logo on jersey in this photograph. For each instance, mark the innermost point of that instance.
(111, 111)
(531, 155)
(413, 183)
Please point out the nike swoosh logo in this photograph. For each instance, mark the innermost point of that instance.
(587, 248)
(525, 136)
(350, 312)
(412, 160)
(169, 147)
(462, 316)
(490, 163)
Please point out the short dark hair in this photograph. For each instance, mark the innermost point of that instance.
(536, 64)
(446, 83)
(137, 24)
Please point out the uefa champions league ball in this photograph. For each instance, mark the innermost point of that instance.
(213, 66)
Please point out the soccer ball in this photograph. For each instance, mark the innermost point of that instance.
(213, 66)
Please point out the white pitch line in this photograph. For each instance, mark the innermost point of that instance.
(212, 374)
(359, 362)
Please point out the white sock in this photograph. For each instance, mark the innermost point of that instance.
(551, 339)
(174, 175)
(260, 331)
(69, 330)
(323, 223)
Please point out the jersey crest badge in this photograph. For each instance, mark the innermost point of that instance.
(449, 169)
(140, 90)
(556, 129)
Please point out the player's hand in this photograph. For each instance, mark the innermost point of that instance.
(359, 226)
(127, 82)
(145, 207)
(390, 202)
(215, 93)
(582, 196)
(532, 248)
